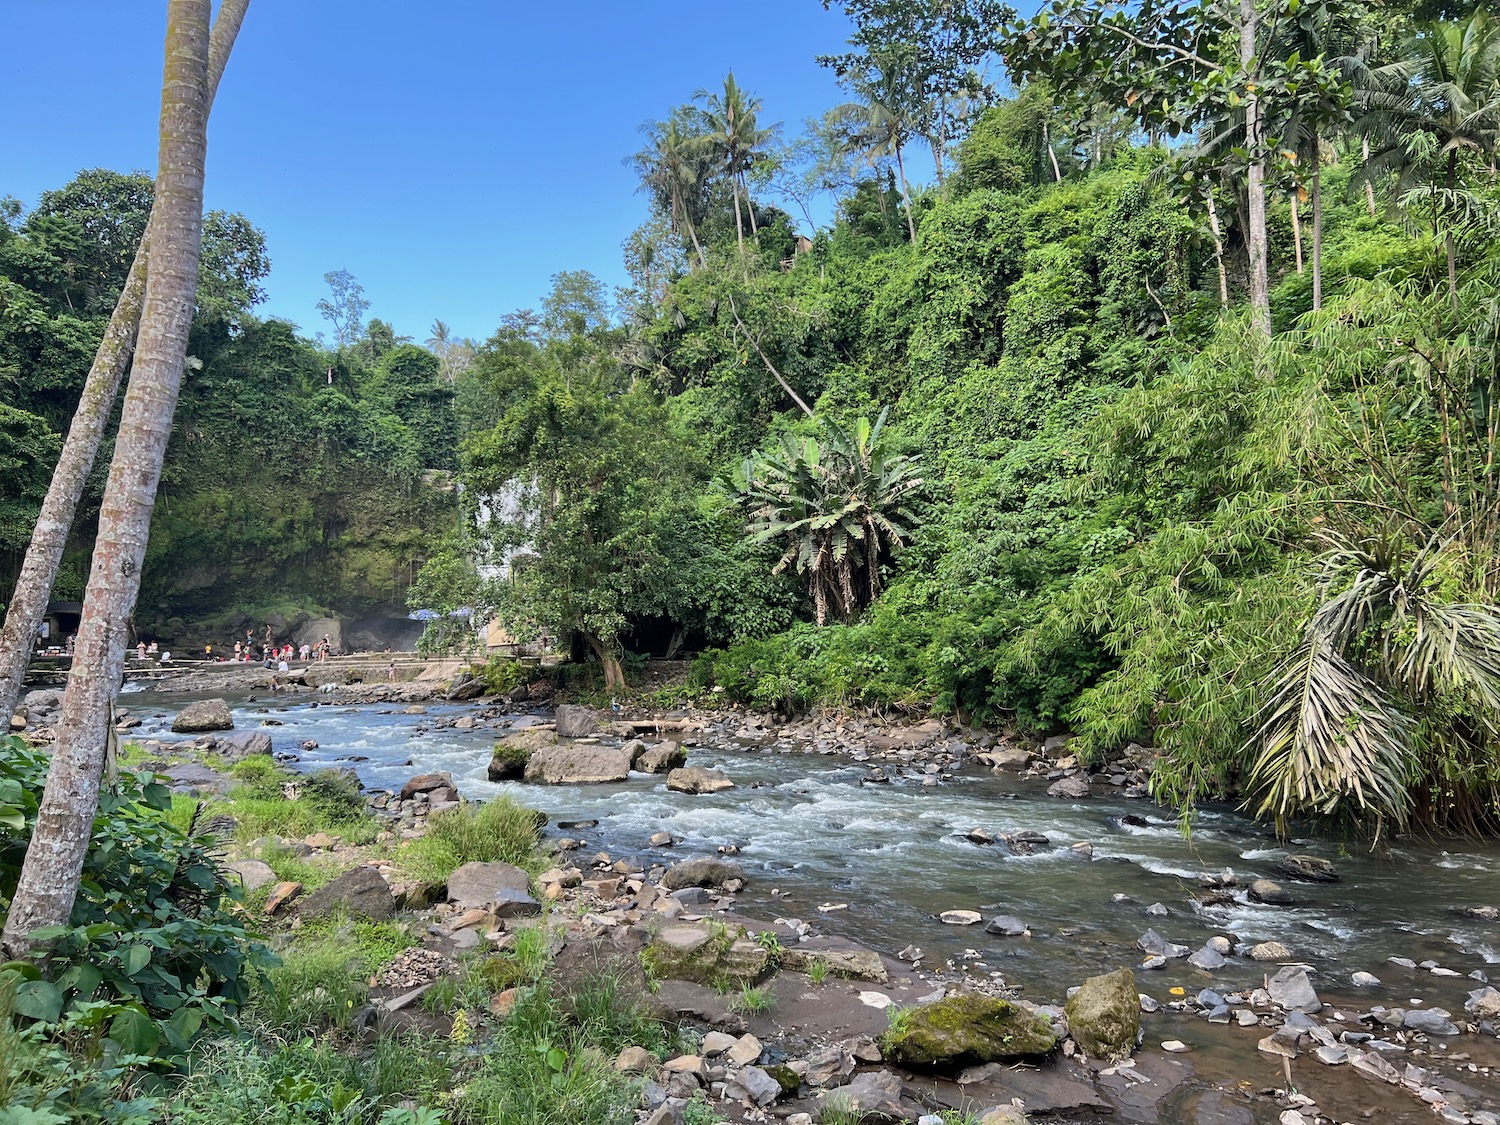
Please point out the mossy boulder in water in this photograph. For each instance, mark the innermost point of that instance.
(966, 1029)
(514, 751)
(1104, 1015)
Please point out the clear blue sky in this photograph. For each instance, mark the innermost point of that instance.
(452, 155)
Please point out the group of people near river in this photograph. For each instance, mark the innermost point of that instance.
(268, 652)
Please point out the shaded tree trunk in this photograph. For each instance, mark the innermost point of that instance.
(614, 672)
(1317, 217)
(1213, 225)
(49, 878)
(28, 604)
(1255, 182)
(1296, 230)
(911, 225)
(1364, 152)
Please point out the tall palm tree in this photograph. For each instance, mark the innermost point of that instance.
(839, 504)
(48, 884)
(1436, 105)
(733, 133)
(889, 110)
(28, 603)
(669, 168)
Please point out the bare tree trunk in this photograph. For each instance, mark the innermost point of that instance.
(1317, 233)
(1364, 152)
(1051, 152)
(28, 604)
(911, 225)
(49, 878)
(750, 210)
(739, 223)
(1255, 187)
(1213, 225)
(1296, 228)
(614, 672)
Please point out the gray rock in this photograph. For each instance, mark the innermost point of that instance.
(1483, 1003)
(660, 758)
(1308, 869)
(759, 1087)
(426, 783)
(1007, 925)
(1157, 910)
(465, 686)
(360, 892)
(1291, 989)
(1364, 980)
(1104, 1015)
(700, 873)
(203, 715)
(574, 721)
(475, 886)
(1270, 893)
(1070, 788)
(240, 745)
(873, 1095)
(1429, 1021)
(697, 779)
(253, 873)
(1153, 944)
(1207, 959)
(577, 765)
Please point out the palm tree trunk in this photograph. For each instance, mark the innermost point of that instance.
(49, 878)
(1364, 152)
(750, 210)
(1296, 230)
(739, 223)
(911, 225)
(1448, 234)
(1255, 186)
(1051, 152)
(28, 604)
(1213, 225)
(1317, 235)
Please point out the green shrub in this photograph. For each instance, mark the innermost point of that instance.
(326, 801)
(499, 830)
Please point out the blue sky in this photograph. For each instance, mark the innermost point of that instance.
(452, 155)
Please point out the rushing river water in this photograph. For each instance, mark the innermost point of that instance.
(896, 853)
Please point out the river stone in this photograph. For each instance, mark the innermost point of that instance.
(1429, 1021)
(1364, 980)
(577, 765)
(873, 1096)
(745, 1050)
(697, 779)
(1104, 1015)
(1207, 959)
(851, 964)
(1483, 1003)
(1153, 944)
(700, 873)
(204, 715)
(426, 783)
(475, 886)
(753, 1085)
(360, 892)
(1071, 788)
(960, 917)
(1308, 869)
(1009, 758)
(239, 745)
(1290, 988)
(574, 721)
(253, 873)
(1007, 925)
(514, 751)
(1270, 893)
(964, 1029)
(693, 953)
(660, 758)
(1269, 951)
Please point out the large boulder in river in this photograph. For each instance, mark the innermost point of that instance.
(1104, 1015)
(426, 783)
(660, 758)
(1073, 788)
(574, 721)
(966, 1029)
(465, 685)
(1308, 869)
(577, 765)
(697, 779)
(206, 714)
(514, 751)
(358, 893)
(700, 873)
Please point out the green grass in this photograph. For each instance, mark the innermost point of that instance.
(817, 970)
(499, 830)
(754, 1000)
(327, 801)
(318, 986)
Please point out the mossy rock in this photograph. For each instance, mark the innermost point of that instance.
(702, 956)
(964, 1030)
(787, 1077)
(1104, 1015)
(514, 750)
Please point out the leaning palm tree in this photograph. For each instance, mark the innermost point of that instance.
(1346, 725)
(732, 132)
(1436, 105)
(889, 112)
(669, 170)
(840, 507)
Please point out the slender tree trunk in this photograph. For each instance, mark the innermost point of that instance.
(1255, 187)
(938, 144)
(1051, 152)
(28, 604)
(911, 225)
(1213, 225)
(49, 878)
(1364, 152)
(614, 673)
(750, 210)
(1448, 234)
(1296, 229)
(1317, 233)
(739, 223)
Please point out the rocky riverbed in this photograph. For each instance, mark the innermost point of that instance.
(866, 835)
